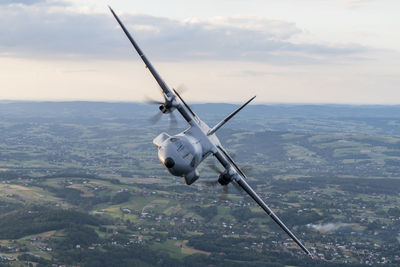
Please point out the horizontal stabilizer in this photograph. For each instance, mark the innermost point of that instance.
(219, 125)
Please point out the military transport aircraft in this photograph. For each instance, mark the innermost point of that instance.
(182, 153)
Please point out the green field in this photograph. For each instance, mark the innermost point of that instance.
(89, 190)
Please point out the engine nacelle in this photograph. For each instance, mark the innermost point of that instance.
(163, 108)
(224, 178)
(166, 107)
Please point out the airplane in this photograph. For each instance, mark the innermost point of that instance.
(182, 153)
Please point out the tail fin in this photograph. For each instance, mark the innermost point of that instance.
(219, 125)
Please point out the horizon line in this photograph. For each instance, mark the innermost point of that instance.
(10, 101)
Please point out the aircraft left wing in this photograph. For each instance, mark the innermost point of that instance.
(240, 180)
(153, 71)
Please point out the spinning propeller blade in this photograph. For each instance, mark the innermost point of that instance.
(181, 89)
(213, 183)
(173, 123)
(225, 192)
(154, 119)
(151, 101)
(214, 167)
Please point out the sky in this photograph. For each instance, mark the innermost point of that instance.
(286, 51)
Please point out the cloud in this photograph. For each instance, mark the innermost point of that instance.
(24, 2)
(31, 2)
(340, 3)
(356, 3)
(328, 227)
(40, 28)
(53, 30)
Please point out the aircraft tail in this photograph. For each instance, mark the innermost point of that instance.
(219, 125)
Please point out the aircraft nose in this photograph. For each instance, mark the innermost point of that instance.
(169, 163)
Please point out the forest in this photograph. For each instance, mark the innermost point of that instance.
(81, 184)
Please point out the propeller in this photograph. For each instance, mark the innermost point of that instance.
(173, 123)
(155, 118)
(213, 183)
(214, 167)
(181, 88)
(246, 168)
(151, 101)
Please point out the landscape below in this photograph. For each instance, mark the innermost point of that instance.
(81, 185)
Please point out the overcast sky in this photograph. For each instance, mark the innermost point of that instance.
(301, 51)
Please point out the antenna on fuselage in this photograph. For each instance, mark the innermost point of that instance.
(219, 125)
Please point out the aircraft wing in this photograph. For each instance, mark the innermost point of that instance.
(153, 71)
(247, 188)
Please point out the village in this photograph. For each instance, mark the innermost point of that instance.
(71, 190)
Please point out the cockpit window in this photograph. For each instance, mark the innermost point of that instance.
(179, 145)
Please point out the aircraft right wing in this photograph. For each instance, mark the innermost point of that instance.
(240, 180)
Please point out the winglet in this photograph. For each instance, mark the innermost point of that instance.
(219, 125)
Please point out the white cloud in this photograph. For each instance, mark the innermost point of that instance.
(145, 28)
(22, 2)
(14, 3)
(39, 28)
(273, 28)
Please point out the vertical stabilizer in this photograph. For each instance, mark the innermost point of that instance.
(219, 125)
